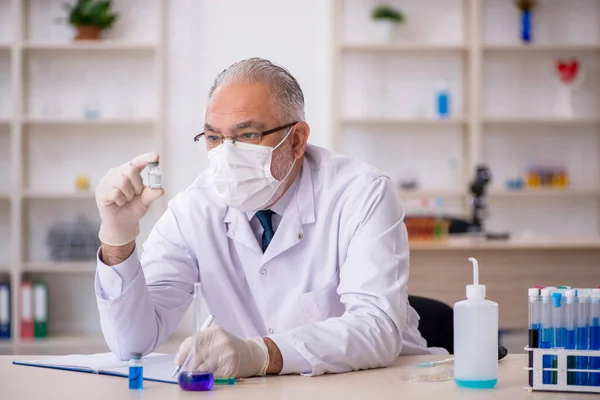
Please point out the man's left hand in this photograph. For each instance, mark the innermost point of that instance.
(225, 355)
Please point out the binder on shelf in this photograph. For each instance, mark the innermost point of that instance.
(40, 309)
(26, 308)
(5, 310)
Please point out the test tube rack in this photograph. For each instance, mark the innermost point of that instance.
(561, 370)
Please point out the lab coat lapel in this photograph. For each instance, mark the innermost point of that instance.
(239, 229)
(300, 211)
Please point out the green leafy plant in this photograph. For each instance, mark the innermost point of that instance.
(526, 5)
(384, 12)
(91, 13)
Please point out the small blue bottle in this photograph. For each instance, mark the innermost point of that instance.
(443, 100)
(136, 372)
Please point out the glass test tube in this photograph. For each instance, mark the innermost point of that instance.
(582, 337)
(547, 333)
(558, 325)
(594, 378)
(534, 325)
(570, 331)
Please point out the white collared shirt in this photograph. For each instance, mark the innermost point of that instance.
(330, 290)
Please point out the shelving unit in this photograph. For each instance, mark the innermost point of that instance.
(546, 48)
(566, 192)
(503, 95)
(43, 59)
(374, 121)
(90, 46)
(402, 48)
(565, 122)
(58, 195)
(78, 123)
(430, 193)
(59, 267)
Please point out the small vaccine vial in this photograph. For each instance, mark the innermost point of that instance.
(154, 175)
(136, 372)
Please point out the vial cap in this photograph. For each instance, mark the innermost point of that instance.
(570, 293)
(533, 292)
(556, 299)
(153, 164)
(584, 297)
(136, 356)
(547, 291)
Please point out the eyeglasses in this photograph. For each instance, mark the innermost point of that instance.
(214, 140)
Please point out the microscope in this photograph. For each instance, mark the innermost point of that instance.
(478, 205)
(478, 186)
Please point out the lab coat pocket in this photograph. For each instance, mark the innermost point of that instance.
(322, 304)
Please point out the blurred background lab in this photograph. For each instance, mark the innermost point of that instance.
(485, 113)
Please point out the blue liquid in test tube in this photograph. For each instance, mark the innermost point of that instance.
(559, 328)
(547, 333)
(594, 378)
(582, 338)
(569, 333)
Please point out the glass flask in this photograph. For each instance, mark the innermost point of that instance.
(190, 379)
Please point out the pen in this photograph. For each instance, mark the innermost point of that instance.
(204, 326)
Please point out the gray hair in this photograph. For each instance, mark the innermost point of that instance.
(289, 100)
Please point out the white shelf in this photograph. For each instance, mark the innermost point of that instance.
(412, 194)
(4, 123)
(29, 194)
(74, 122)
(402, 47)
(4, 196)
(385, 121)
(542, 192)
(91, 45)
(541, 48)
(4, 47)
(60, 342)
(541, 121)
(59, 267)
(534, 243)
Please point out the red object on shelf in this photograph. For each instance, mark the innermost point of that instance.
(567, 70)
(26, 310)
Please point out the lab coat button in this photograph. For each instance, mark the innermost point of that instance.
(263, 271)
(300, 235)
(271, 331)
(231, 234)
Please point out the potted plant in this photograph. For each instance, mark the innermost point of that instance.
(386, 19)
(90, 18)
(526, 7)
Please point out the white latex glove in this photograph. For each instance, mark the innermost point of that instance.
(225, 355)
(122, 200)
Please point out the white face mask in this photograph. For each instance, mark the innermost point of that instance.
(242, 174)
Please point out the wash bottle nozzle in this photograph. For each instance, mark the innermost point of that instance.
(475, 291)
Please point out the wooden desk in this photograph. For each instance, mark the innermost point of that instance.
(24, 383)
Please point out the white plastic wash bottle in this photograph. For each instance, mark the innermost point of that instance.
(476, 338)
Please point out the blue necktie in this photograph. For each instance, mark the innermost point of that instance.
(264, 217)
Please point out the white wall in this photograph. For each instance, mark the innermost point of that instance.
(207, 36)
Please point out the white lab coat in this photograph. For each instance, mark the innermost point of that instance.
(330, 290)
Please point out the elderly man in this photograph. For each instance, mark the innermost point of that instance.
(302, 254)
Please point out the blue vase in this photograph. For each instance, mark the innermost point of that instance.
(526, 26)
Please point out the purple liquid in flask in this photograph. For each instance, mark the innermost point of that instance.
(196, 380)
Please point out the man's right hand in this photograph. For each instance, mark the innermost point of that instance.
(123, 199)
